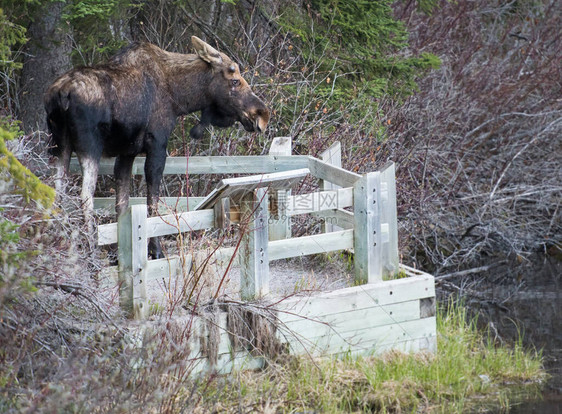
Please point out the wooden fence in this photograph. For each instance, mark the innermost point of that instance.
(361, 212)
(370, 230)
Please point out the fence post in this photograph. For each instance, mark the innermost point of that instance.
(280, 226)
(389, 221)
(367, 230)
(254, 260)
(331, 156)
(132, 255)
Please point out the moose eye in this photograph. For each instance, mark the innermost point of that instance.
(235, 82)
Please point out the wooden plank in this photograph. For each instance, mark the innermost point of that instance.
(358, 297)
(165, 204)
(367, 238)
(389, 223)
(425, 344)
(280, 146)
(237, 164)
(320, 201)
(410, 271)
(166, 268)
(342, 218)
(295, 247)
(254, 260)
(174, 223)
(351, 321)
(279, 220)
(163, 225)
(369, 338)
(227, 363)
(257, 164)
(132, 256)
(107, 234)
(237, 187)
(331, 173)
(222, 213)
(302, 246)
(331, 156)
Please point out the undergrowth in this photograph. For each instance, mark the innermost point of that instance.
(468, 371)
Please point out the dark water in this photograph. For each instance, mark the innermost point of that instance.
(552, 404)
(527, 300)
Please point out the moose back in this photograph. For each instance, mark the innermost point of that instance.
(129, 106)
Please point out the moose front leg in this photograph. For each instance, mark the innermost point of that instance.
(153, 171)
(63, 163)
(122, 171)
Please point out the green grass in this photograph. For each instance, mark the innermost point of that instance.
(467, 371)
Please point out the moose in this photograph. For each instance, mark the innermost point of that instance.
(129, 106)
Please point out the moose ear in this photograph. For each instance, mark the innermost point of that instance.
(206, 52)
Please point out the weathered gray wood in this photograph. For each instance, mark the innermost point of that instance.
(238, 164)
(389, 222)
(227, 363)
(167, 268)
(240, 186)
(107, 234)
(427, 343)
(132, 256)
(410, 271)
(254, 260)
(359, 297)
(331, 156)
(320, 201)
(295, 247)
(163, 225)
(351, 321)
(158, 269)
(331, 173)
(222, 213)
(279, 221)
(342, 218)
(371, 338)
(165, 204)
(188, 221)
(367, 237)
(318, 243)
(280, 146)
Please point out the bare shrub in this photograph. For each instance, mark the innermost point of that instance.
(64, 345)
(478, 148)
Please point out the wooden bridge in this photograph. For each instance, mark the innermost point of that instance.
(380, 312)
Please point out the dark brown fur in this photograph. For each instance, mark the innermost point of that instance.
(130, 105)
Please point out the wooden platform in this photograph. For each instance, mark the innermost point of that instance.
(377, 314)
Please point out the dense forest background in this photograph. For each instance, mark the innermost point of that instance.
(464, 96)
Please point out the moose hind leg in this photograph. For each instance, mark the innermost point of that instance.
(90, 166)
(62, 168)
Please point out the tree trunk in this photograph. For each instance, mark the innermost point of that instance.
(47, 55)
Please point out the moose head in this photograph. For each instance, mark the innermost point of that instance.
(231, 98)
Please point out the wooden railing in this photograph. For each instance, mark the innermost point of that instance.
(362, 209)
